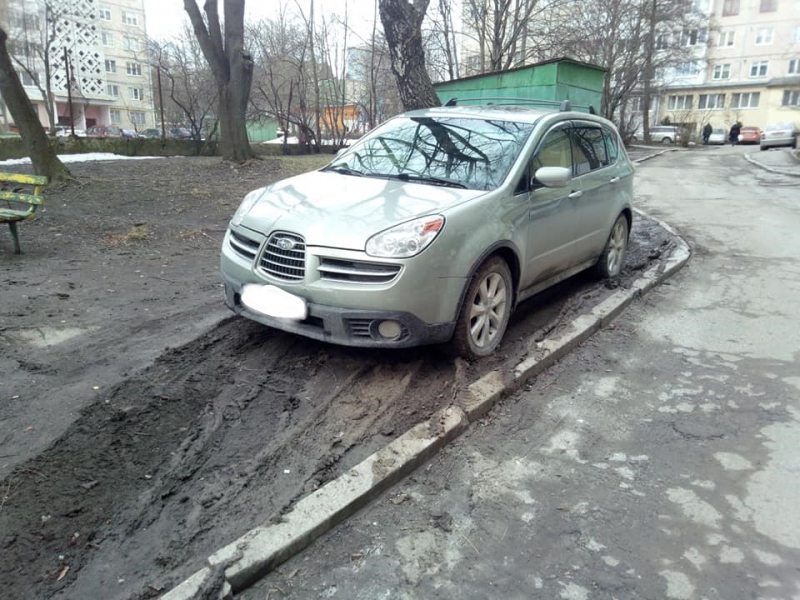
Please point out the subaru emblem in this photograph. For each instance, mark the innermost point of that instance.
(285, 243)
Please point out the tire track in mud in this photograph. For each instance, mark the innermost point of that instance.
(221, 434)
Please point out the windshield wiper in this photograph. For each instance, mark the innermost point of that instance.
(344, 170)
(432, 180)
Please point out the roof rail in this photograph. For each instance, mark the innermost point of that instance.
(562, 105)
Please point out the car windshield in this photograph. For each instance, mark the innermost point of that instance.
(459, 152)
(776, 126)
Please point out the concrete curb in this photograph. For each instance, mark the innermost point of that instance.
(649, 156)
(262, 549)
(761, 165)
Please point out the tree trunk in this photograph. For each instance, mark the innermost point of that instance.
(232, 66)
(402, 24)
(43, 155)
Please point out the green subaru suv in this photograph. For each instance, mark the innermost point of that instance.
(433, 227)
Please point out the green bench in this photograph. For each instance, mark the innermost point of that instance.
(18, 206)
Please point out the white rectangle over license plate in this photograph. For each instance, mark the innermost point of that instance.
(274, 302)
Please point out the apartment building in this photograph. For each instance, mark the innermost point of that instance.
(750, 71)
(97, 60)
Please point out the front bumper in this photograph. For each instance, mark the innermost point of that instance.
(345, 326)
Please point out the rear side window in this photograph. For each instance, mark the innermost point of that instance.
(589, 150)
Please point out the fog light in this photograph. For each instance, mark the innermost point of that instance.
(390, 329)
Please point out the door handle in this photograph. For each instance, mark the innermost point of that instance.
(614, 180)
(576, 194)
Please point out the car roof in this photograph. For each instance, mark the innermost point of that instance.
(504, 112)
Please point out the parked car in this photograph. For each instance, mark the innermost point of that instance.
(433, 227)
(718, 136)
(750, 135)
(150, 133)
(180, 133)
(665, 134)
(66, 131)
(128, 133)
(104, 131)
(779, 134)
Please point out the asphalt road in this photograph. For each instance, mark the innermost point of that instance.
(657, 461)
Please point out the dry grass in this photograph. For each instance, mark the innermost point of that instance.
(137, 233)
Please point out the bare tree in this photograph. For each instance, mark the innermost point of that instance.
(501, 29)
(232, 66)
(402, 25)
(186, 92)
(42, 154)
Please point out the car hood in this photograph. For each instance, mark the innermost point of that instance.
(344, 211)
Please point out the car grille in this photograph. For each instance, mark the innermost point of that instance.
(284, 256)
(335, 269)
(359, 327)
(243, 246)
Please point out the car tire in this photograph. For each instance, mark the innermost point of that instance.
(613, 257)
(485, 311)
(762, 148)
(666, 140)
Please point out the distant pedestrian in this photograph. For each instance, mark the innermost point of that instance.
(707, 133)
(734, 134)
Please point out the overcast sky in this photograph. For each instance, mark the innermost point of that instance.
(165, 18)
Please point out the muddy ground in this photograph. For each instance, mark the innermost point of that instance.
(142, 427)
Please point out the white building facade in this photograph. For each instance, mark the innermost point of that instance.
(96, 60)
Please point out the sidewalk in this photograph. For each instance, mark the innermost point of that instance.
(785, 161)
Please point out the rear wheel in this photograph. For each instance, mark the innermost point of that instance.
(613, 256)
(484, 314)
(666, 140)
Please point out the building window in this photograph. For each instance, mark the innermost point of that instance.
(679, 103)
(116, 116)
(131, 44)
(108, 40)
(764, 36)
(662, 41)
(137, 117)
(129, 18)
(726, 38)
(711, 101)
(694, 37)
(111, 66)
(134, 69)
(746, 100)
(794, 66)
(137, 93)
(687, 68)
(759, 69)
(730, 8)
(791, 98)
(636, 104)
(722, 71)
(29, 77)
(113, 90)
(768, 6)
(105, 14)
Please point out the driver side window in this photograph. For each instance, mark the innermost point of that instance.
(555, 151)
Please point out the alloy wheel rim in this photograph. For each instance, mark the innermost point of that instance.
(488, 308)
(616, 248)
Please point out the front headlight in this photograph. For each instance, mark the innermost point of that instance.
(406, 240)
(245, 207)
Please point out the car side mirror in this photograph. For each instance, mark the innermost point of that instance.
(553, 177)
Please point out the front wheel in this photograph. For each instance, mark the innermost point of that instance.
(484, 314)
(613, 256)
